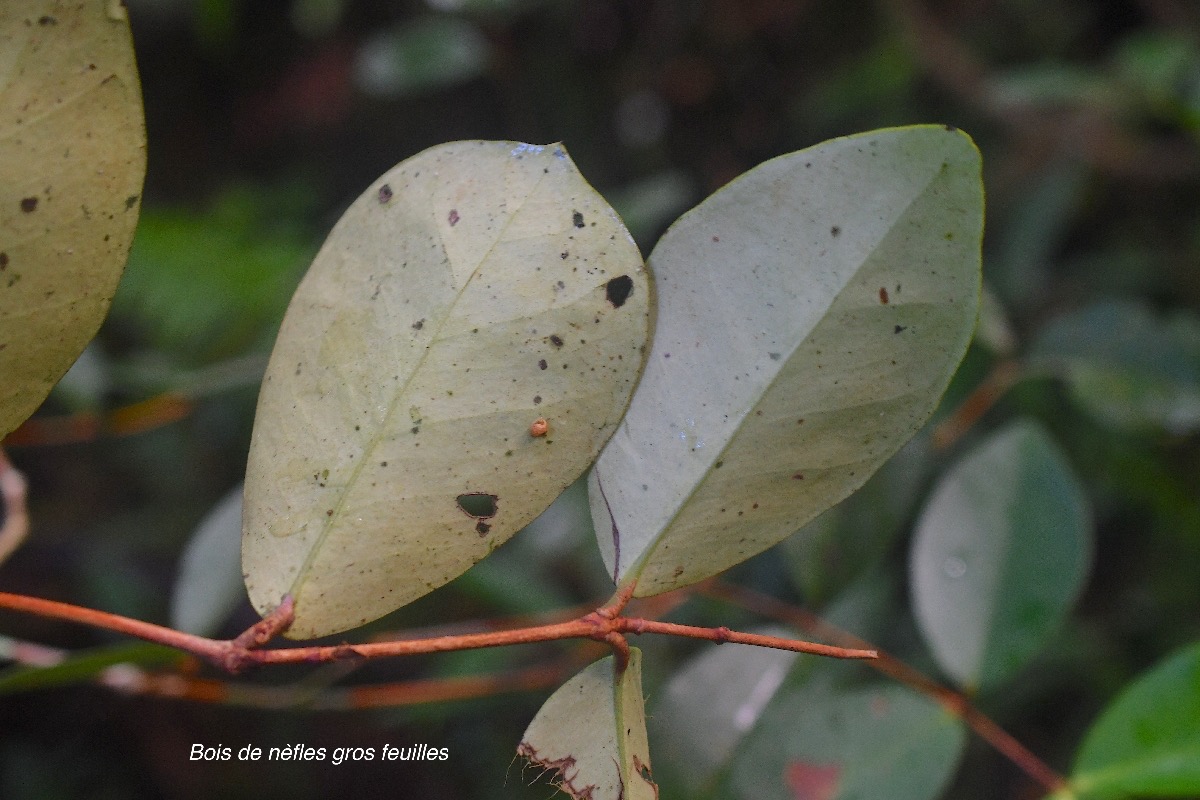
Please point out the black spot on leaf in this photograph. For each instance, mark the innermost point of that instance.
(618, 290)
(29, 204)
(556, 340)
(385, 194)
(577, 218)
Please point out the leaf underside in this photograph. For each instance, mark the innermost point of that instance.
(473, 290)
(591, 733)
(811, 314)
(72, 161)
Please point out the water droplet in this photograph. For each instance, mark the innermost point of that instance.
(954, 567)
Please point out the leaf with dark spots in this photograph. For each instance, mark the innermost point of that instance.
(463, 381)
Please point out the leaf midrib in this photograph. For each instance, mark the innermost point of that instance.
(331, 520)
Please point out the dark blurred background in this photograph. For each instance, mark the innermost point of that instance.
(265, 119)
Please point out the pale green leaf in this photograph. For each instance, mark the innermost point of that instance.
(810, 316)
(473, 289)
(712, 703)
(815, 741)
(591, 734)
(1000, 554)
(209, 585)
(72, 160)
(1147, 743)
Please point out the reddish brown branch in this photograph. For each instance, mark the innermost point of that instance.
(1002, 378)
(889, 665)
(236, 654)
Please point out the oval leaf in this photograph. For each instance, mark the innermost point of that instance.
(1000, 553)
(592, 734)
(474, 289)
(810, 315)
(72, 160)
(1147, 743)
(818, 743)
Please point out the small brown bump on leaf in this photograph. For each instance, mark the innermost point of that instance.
(416, 326)
(835, 231)
(799, 476)
(556, 340)
(385, 194)
(131, 201)
(542, 363)
(453, 217)
(883, 295)
(482, 528)
(577, 219)
(539, 427)
(29, 204)
(3, 260)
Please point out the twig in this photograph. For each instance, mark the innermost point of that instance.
(236, 654)
(13, 490)
(889, 665)
(1003, 377)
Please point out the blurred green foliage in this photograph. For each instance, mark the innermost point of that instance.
(266, 119)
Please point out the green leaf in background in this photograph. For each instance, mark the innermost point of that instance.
(1147, 742)
(1127, 366)
(810, 316)
(818, 743)
(72, 160)
(591, 734)
(711, 703)
(473, 289)
(83, 666)
(424, 55)
(205, 283)
(209, 584)
(1000, 553)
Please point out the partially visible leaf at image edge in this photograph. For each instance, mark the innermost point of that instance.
(72, 160)
(811, 314)
(1147, 742)
(473, 290)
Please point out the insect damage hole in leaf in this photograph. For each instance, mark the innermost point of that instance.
(480, 505)
(472, 285)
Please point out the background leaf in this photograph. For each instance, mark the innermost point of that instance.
(711, 703)
(818, 743)
(209, 585)
(1000, 553)
(72, 160)
(851, 273)
(1147, 742)
(474, 288)
(592, 734)
(1126, 366)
